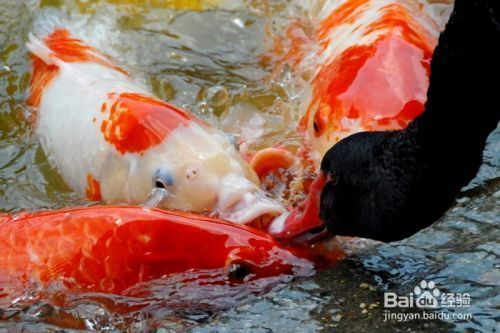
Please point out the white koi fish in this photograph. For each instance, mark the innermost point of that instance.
(113, 140)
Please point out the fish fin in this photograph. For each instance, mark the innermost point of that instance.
(42, 74)
(55, 50)
(40, 50)
(60, 46)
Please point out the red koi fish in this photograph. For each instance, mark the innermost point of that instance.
(113, 140)
(109, 249)
(372, 63)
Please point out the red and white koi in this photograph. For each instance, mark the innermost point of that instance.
(113, 140)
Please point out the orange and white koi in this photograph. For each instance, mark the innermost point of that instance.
(371, 63)
(109, 249)
(113, 140)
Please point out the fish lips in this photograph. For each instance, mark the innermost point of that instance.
(253, 207)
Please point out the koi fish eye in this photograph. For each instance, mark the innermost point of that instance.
(238, 271)
(316, 127)
(162, 179)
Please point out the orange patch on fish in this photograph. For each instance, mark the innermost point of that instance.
(330, 82)
(398, 16)
(42, 75)
(93, 190)
(136, 122)
(379, 85)
(348, 12)
(359, 85)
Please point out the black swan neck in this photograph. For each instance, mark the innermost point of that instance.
(464, 92)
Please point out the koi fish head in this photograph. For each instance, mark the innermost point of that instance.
(357, 93)
(374, 79)
(198, 168)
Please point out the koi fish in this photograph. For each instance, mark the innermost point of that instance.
(371, 73)
(109, 249)
(113, 140)
(374, 69)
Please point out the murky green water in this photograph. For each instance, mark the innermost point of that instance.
(209, 62)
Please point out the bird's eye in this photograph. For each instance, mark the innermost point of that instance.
(334, 178)
(162, 179)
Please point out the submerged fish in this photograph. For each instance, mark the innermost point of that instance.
(109, 249)
(112, 140)
(371, 61)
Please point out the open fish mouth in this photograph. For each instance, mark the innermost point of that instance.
(253, 207)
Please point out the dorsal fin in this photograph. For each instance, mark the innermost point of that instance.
(59, 47)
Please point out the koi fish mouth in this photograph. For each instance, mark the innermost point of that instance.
(253, 208)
